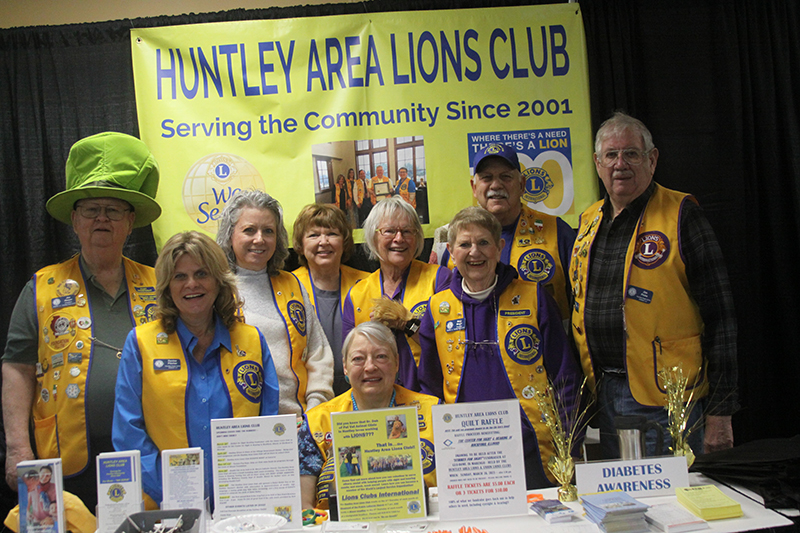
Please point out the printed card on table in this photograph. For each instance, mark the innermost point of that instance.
(256, 468)
(378, 465)
(480, 472)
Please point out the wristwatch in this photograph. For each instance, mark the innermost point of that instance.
(412, 326)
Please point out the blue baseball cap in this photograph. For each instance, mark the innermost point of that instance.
(503, 151)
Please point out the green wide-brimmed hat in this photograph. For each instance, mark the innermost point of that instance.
(110, 165)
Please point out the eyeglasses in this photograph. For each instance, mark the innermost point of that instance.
(391, 232)
(631, 156)
(93, 211)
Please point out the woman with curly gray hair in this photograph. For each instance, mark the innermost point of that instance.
(252, 234)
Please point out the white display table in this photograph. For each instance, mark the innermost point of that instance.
(755, 516)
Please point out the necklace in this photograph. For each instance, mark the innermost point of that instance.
(103, 344)
(355, 405)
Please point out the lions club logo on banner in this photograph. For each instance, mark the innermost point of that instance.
(652, 249)
(249, 379)
(211, 182)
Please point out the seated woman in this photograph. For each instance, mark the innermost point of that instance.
(370, 363)
(323, 239)
(197, 362)
(393, 235)
(252, 235)
(491, 336)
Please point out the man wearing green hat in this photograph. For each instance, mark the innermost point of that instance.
(71, 319)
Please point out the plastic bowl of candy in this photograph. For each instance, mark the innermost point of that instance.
(250, 523)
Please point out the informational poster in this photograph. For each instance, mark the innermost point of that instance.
(119, 488)
(480, 472)
(256, 468)
(378, 465)
(183, 479)
(351, 109)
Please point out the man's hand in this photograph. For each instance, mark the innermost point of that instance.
(19, 382)
(12, 458)
(718, 434)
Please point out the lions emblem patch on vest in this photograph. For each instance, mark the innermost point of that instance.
(522, 344)
(428, 460)
(418, 310)
(652, 249)
(249, 378)
(297, 314)
(536, 266)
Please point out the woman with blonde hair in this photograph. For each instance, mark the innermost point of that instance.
(196, 362)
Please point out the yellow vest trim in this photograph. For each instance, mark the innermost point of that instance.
(348, 277)
(664, 332)
(289, 301)
(60, 428)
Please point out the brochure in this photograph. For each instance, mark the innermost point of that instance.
(119, 488)
(41, 499)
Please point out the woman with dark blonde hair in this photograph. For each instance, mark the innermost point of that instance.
(198, 361)
(323, 240)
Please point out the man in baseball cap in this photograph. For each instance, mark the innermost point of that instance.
(537, 245)
(71, 319)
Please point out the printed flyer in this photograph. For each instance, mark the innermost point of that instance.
(182, 478)
(119, 488)
(378, 465)
(256, 468)
(479, 468)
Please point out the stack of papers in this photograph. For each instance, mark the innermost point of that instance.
(615, 512)
(553, 511)
(672, 518)
(708, 502)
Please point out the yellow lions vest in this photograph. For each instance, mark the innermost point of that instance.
(348, 277)
(519, 340)
(661, 320)
(165, 377)
(65, 331)
(289, 301)
(420, 285)
(319, 423)
(534, 254)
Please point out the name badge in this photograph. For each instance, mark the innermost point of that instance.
(516, 312)
(63, 301)
(167, 364)
(455, 325)
(640, 295)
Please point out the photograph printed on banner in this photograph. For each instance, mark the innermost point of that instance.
(356, 175)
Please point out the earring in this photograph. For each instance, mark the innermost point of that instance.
(347, 378)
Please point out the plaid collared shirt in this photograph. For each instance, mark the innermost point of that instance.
(708, 283)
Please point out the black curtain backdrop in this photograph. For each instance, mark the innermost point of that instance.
(716, 81)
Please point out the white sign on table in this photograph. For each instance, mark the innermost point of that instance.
(256, 468)
(654, 476)
(480, 471)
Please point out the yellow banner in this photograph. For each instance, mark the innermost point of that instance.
(309, 109)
